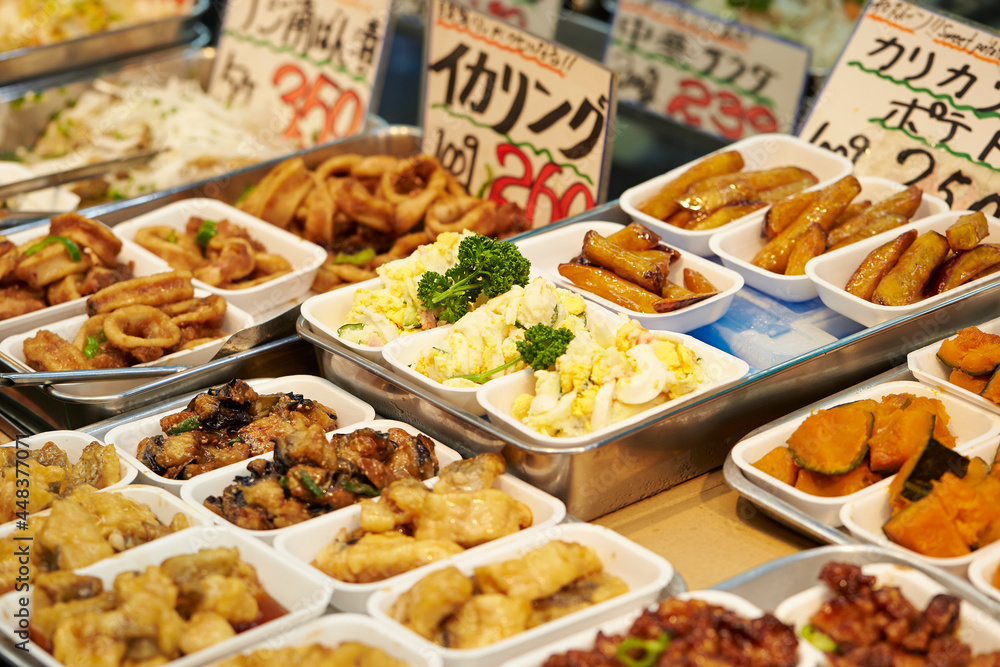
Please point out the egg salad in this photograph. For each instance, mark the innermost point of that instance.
(606, 376)
(393, 309)
(487, 337)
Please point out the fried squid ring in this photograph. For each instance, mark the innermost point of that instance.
(455, 214)
(338, 165)
(354, 199)
(154, 290)
(67, 289)
(234, 261)
(92, 327)
(141, 326)
(277, 197)
(87, 233)
(209, 312)
(175, 248)
(374, 166)
(411, 187)
(50, 264)
(319, 209)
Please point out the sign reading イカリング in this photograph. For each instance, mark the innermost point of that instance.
(313, 63)
(915, 97)
(515, 117)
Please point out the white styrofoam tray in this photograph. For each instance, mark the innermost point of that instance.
(926, 367)
(303, 542)
(350, 410)
(968, 424)
(73, 443)
(976, 628)
(584, 640)
(762, 151)
(982, 570)
(13, 347)
(305, 256)
(332, 630)
(327, 312)
(548, 250)
(498, 396)
(196, 490)
(831, 272)
(144, 263)
(737, 247)
(865, 515)
(304, 595)
(645, 573)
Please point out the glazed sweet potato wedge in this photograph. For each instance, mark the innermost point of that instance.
(877, 264)
(904, 283)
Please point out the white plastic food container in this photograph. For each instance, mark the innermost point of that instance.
(73, 443)
(976, 627)
(327, 312)
(195, 491)
(305, 256)
(762, 151)
(548, 250)
(865, 515)
(645, 573)
(13, 348)
(983, 568)
(302, 593)
(926, 367)
(968, 424)
(302, 543)
(584, 640)
(350, 410)
(332, 630)
(737, 247)
(831, 272)
(144, 264)
(498, 396)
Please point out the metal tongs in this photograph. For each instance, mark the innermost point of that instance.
(75, 174)
(93, 375)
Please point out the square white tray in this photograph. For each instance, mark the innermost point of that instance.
(350, 410)
(327, 312)
(305, 256)
(737, 247)
(969, 425)
(196, 490)
(981, 571)
(762, 151)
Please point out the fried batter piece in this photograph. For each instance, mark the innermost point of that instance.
(355, 654)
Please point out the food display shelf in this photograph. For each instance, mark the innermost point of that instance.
(128, 41)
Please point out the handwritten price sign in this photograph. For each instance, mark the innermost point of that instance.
(719, 77)
(539, 16)
(313, 64)
(914, 97)
(515, 117)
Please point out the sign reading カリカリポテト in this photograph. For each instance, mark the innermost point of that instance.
(718, 76)
(515, 117)
(915, 97)
(312, 64)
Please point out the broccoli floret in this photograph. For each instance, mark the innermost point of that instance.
(541, 346)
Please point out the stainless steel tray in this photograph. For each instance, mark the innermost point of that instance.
(39, 61)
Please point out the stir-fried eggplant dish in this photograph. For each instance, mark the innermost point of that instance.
(228, 424)
(311, 475)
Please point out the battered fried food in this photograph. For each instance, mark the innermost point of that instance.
(155, 290)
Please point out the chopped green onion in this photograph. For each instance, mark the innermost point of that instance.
(233, 441)
(360, 488)
(205, 233)
(93, 344)
(72, 248)
(246, 193)
(172, 237)
(188, 424)
(651, 649)
(283, 481)
(357, 258)
(350, 326)
(308, 482)
(818, 638)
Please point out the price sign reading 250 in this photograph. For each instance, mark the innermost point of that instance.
(342, 111)
(719, 111)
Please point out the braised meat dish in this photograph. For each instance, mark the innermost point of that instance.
(868, 625)
(411, 525)
(228, 424)
(181, 606)
(310, 475)
(51, 476)
(690, 632)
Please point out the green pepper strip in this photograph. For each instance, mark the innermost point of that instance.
(205, 233)
(172, 237)
(360, 488)
(651, 650)
(93, 344)
(308, 482)
(818, 638)
(350, 326)
(189, 424)
(357, 258)
(72, 248)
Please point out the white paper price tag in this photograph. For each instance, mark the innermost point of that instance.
(915, 97)
(719, 77)
(515, 117)
(312, 63)
(538, 16)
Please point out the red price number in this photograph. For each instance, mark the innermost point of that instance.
(341, 112)
(536, 186)
(721, 110)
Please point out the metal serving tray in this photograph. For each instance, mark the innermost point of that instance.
(39, 61)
